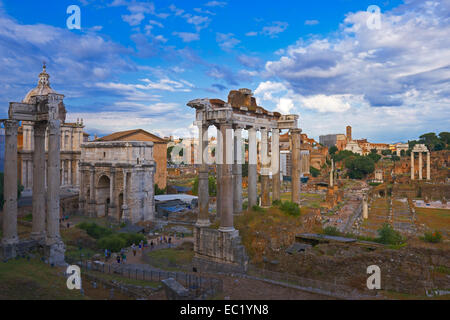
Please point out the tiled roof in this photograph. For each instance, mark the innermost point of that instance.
(117, 136)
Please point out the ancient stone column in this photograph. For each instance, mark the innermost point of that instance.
(428, 166)
(412, 165)
(226, 216)
(265, 162)
(252, 171)
(296, 162)
(420, 166)
(203, 178)
(92, 201)
(237, 171)
(365, 208)
(69, 173)
(112, 199)
(219, 162)
(38, 230)
(63, 182)
(82, 195)
(10, 237)
(126, 214)
(276, 184)
(332, 173)
(53, 180)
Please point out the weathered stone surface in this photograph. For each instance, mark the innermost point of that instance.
(174, 290)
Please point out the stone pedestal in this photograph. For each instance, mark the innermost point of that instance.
(217, 251)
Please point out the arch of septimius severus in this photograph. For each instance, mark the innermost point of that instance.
(221, 249)
(44, 110)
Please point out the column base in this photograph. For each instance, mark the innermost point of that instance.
(55, 252)
(8, 250)
(203, 223)
(39, 237)
(227, 229)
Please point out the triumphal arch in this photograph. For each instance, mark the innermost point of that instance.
(221, 249)
(117, 180)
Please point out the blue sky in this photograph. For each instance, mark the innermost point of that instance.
(135, 64)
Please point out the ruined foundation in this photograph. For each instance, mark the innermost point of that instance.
(217, 251)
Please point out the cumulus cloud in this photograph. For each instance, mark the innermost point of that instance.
(411, 51)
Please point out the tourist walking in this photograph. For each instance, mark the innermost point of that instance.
(124, 258)
(118, 258)
(133, 247)
(151, 245)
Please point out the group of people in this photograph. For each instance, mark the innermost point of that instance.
(122, 257)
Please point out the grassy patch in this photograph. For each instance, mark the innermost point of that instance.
(33, 280)
(171, 259)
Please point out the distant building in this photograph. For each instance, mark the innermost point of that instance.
(331, 140)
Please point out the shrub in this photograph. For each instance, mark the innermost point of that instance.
(131, 238)
(94, 230)
(387, 235)
(245, 205)
(159, 191)
(115, 242)
(257, 209)
(433, 237)
(276, 202)
(314, 172)
(331, 231)
(112, 242)
(290, 208)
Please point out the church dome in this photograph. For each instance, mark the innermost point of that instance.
(43, 88)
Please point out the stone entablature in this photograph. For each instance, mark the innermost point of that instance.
(117, 180)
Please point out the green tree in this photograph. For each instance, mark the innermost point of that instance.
(375, 157)
(314, 172)
(159, 191)
(333, 150)
(386, 152)
(359, 167)
(387, 235)
(402, 153)
(445, 137)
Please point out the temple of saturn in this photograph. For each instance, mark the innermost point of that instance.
(221, 249)
(45, 110)
(420, 149)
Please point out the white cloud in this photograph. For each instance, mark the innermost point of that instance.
(216, 4)
(251, 34)
(187, 36)
(133, 19)
(227, 41)
(311, 22)
(275, 28)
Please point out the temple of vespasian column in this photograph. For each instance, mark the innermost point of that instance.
(46, 111)
(420, 149)
(221, 249)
